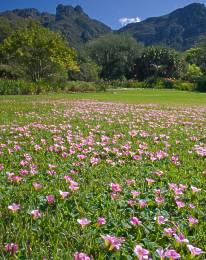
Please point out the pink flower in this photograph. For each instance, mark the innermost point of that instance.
(83, 222)
(175, 160)
(150, 181)
(137, 157)
(161, 253)
(135, 221)
(159, 200)
(113, 242)
(173, 186)
(142, 203)
(172, 254)
(15, 179)
(181, 238)
(133, 133)
(169, 231)
(74, 186)
(35, 214)
(195, 189)
(192, 206)
(50, 199)
(81, 256)
(183, 187)
(81, 156)
(14, 207)
(130, 182)
(11, 248)
(158, 173)
(37, 186)
(193, 221)
(1, 167)
(158, 192)
(195, 250)
(114, 195)
(64, 194)
(115, 187)
(131, 202)
(135, 193)
(161, 220)
(141, 252)
(94, 161)
(180, 204)
(101, 221)
(67, 178)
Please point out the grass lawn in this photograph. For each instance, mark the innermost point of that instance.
(105, 179)
(140, 96)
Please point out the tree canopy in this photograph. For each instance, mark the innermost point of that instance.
(115, 54)
(39, 51)
(159, 62)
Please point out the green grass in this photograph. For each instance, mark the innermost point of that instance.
(140, 96)
(45, 138)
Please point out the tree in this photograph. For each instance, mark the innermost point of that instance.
(5, 29)
(193, 72)
(40, 52)
(115, 54)
(197, 55)
(159, 62)
(88, 69)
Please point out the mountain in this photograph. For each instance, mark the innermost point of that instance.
(179, 29)
(72, 22)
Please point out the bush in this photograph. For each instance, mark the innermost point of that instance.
(16, 87)
(185, 86)
(135, 84)
(164, 83)
(21, 87)
(80, 86)
(125, 84)
(10, 72)
(159, 62)
(153, 82)
(168, 83)
(193, 73)
(201, 84)
(89, 72)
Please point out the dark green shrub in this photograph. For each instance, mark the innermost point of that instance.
(193, 73)
(168, 83)
(160, 83)
(185, 86)
(10, 72)
(21, 87)
(116, 83)
(103, 86)
(201, 84)
(125, 84)
(89, 72)
(80, 86)
(152, 82)
(135, 84)
(16, 87)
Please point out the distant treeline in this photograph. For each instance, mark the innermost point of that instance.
(34, 59)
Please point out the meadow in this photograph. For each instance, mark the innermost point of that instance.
(115, 175)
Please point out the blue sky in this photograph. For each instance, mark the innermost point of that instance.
(107, 11)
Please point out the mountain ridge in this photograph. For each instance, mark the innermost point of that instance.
(179, 29)
(72, 22)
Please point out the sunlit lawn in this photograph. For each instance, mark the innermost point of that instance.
(103, 178)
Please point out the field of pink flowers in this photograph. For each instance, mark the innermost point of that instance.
(94, 180)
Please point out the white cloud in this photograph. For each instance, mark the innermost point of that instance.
(125, 20)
